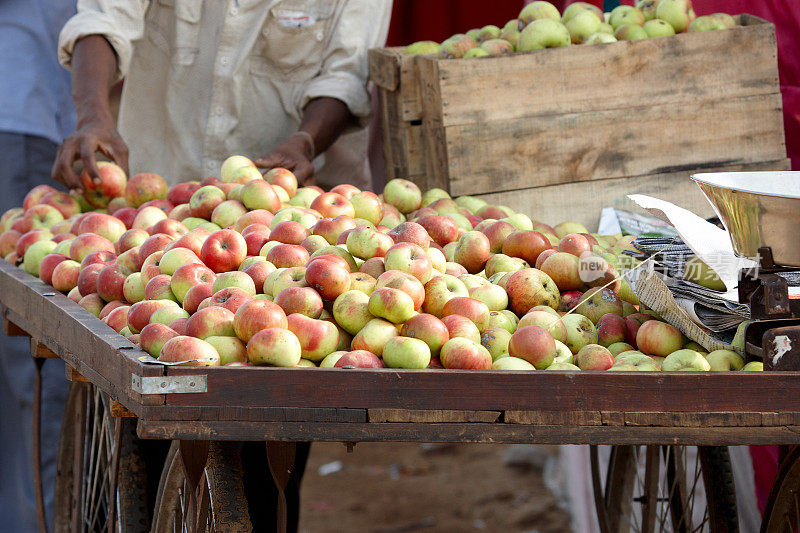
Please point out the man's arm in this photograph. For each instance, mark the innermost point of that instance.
(94, 67)
(324, 119)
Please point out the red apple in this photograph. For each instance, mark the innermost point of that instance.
(303, 300)
(442, 230)
(87, 279)
(144, 187)
(526, 245)
(396, 279)
(182, 192)
(65, 275)
(255, 315)
(185, 348)
(533, 344)
(211, 321)
(230, 298)
(472, 251)
(575, 244)
(62, 201)
(497, 233)
(195, 295)
(359, 359)
(110, 281)
(463, 353)
(331, 204)
(224, 250)
(35, 195)
(410, 258)
(48, 265)
(328, 278)
(112, 184)
(288, 255)
(126, 215)
(530, 287)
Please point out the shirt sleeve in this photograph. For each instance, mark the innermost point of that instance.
(121, 22)
(362, 24)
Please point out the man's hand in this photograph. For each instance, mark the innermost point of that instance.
(294, 154)
(83, 145)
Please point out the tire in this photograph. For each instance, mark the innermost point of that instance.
(782, 513)
(659, 488)
(87, 427)
(222, 502)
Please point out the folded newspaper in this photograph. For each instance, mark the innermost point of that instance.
(706, 316)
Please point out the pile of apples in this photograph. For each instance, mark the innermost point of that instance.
(540, 25)
(254, 270)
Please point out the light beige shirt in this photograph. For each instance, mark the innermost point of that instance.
(205, 79)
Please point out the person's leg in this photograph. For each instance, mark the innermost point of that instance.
(26, 163)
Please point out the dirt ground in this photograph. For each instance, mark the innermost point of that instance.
(406, 487)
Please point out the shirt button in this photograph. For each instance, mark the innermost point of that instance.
(219, 110)
(234, 11)
(319, 36)
(223, 61)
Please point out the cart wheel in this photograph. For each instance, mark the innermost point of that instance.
(91, 440)
(221, 501)
(664, 488)
(782, 512)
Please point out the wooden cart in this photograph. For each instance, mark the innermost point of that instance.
(116, 401)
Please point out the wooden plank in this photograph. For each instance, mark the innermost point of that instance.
(679, 69)
(120, 411)
(74, 376)
(641, 139)
(40, 351)
(431, 416)
(582, 202)
(697, 420)
(549, 418)
(495, 433)
(557, 392)
(403, 145)
(435, 142)
(12, 330)
(384, 68)
(780, 419)
(91, 347)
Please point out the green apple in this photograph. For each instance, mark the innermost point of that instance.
(431, 195)
(538, 10)
(630, 32)
(725, 360)
(422, 48)
(688, 360)
(648, 8)
(330, 360)
(511, 363)
(754, 366)
(658, 28)
(558, 365)
(582, 25)
(230, 349)
(476, 52)
(520, 221)
(405, 352)
(563, 355)
(496, 341)
(738, 338)
(600, 38)
(678, 13)
(34, 255)
(543, 33)
(351, 311)
(623, 14)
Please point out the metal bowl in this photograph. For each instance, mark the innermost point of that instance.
(758, 209)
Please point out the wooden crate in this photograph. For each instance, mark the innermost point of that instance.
(653, 111)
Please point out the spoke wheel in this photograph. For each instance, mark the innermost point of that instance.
(221, 500)
(663, 488)
(92, 444)
(782, 513)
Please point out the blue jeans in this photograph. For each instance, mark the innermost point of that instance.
(26, 162)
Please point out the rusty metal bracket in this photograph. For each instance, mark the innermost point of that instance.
(169, 384)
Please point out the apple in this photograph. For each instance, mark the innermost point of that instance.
(564, 269)
(112, 184)
(658, 338)
(374, 266)
(368, 206)
(580, 332)
(258, 272)
(110, 306)
(611, 329)
(133, 288)
(463, 353)
(427, 328)
(533, 344)
(116, 319)
(461, 326)
(87, 279)
(474, 310)
(227, 213)
(686, 360)
(65, 274)
(619, 347)
(365, 283)
(530, 287)
(630, 32)
(235, 279)
(187, 276)
(391, 304)
(332, 228)
(147, 217)
(496, 340)
(402, 194)
(144, 187)
(283, 178)
(153, 244)
(596, 302)
(304, 197)
(82, 246)
(131, 239)
(48, 265)
(156, 288)
(439, 290)
(543, 33)
(513, 363)
(658, 28)
(318, 338)
(195, 295)
(211, 321)
(92, 303)
(223, 250)
(35, 195)
(204, 200)
(275, 347)
(406, 352)
(410, 258)
(255, 315)
(230, 298)
(289, 232)
(103, 257)
(549, 322)
(332, 204)
(633, 322)
(8, 241)
(110, 282)
(493, 296)
(725, 360)
(358, 359)
(497, 233)
(175, 259)
(63, 202)
(411, 232)
(365, 243)
(329, 278)
(594, 357)
(442, 230)
(754, 366)
(185, 348)
(472, 251)
(374, 336)
(287, 255)
(499, 319)
(168, 316)
(678, 13)
(287, 277)
(181, 193)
